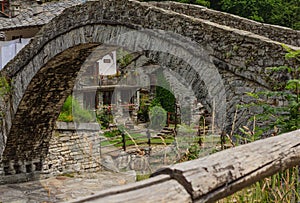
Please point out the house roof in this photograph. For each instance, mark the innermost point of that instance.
(36, 15)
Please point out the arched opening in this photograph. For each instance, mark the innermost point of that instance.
(131, 90)
(41, 97)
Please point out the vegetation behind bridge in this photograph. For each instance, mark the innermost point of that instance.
(276, 12)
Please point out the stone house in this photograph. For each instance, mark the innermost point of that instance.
(101, 85)
(22, 20)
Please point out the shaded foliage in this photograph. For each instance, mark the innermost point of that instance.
(104, 117)
(278, 12)
(163, 96)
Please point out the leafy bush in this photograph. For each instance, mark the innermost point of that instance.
(125, 59)
(193, 152)
(82, 115)
(5, 87)
(72, 111)
(144, 108)
(104, 117)
(5, 90)
(158, 117)
(65, 117)
(163, 96)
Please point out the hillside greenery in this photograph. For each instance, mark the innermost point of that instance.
(277, 12)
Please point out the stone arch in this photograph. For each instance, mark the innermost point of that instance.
(190, 60)
(40, 98)
(81, 28)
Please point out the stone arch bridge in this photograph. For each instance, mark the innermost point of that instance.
(220, 56)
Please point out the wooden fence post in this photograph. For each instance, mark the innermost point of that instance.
(124, 141)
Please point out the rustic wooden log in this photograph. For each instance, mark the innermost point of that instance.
(221, 174)
(154, 190)
(213, 177)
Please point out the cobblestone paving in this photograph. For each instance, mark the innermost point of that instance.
(63, 188)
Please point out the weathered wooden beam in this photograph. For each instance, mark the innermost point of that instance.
(221, 174)
(213, 177)
(154, 190)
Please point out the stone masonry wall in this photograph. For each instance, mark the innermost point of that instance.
(253, 51)
(72, 149)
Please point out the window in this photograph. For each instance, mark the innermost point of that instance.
(106, 60)
(17, 37)
(89, 100)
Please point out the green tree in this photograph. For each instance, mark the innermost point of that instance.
(277, 12)
(197, 2)
(163, 96)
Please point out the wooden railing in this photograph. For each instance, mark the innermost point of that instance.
(213, 177)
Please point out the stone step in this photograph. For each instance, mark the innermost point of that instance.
(167, 132)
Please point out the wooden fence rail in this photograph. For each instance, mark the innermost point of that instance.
(213, 177)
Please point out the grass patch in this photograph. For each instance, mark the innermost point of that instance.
(114, 138)
(140, 177)
(112, 133)
(69, 175)
(281, 187)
